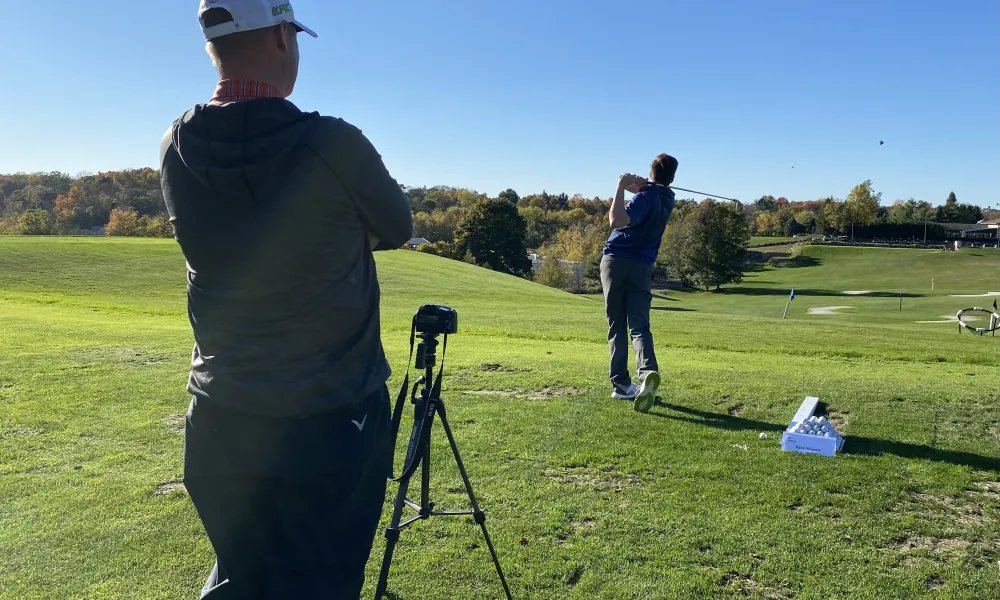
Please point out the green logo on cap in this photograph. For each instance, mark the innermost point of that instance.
(277, 11)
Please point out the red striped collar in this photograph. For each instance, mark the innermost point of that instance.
(239, 90)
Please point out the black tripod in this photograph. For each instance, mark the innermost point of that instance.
(418, 453)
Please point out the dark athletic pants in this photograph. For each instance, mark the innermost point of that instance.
(291, 506)
(628, 292)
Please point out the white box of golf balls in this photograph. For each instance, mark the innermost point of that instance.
(809, 434)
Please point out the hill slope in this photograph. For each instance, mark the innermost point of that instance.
(684, 502)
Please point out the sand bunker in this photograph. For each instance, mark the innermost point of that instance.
(953, 319)
(857, 292)
(826, 310)
(986, 295)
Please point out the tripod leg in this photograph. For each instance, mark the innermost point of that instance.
(391, 537)
(479, 515)
(426, 506)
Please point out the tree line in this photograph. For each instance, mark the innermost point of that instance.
(705, 243)
(770, 216)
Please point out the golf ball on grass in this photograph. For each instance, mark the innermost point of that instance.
(763, 436)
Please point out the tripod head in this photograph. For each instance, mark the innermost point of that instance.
(427, 351)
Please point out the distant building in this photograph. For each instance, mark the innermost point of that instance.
(416, 242)
(967, 234)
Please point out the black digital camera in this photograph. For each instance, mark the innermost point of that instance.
(435, 320)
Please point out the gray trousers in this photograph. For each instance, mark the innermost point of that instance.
(628, 292)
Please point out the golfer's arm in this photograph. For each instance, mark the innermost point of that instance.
(617, 216)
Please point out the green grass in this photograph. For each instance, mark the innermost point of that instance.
(685, 502)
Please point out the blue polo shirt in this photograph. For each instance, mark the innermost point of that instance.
(648, 213)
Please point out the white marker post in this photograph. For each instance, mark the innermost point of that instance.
(790, 298)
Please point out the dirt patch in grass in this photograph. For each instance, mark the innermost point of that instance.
(171, 487)
(736, 410)
(839, 419)
(594, 479)
(749, 588)
(987, 490)
(963, 510)
(117, 355)
(585, 525)
(542, 394)
(934, 582)
(19, 430)
(573, 577)
(575, 528)
(935, 546)
(175, 423)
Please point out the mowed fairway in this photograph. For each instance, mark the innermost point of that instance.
(684, 502)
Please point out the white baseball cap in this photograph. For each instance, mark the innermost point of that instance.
(249, 15)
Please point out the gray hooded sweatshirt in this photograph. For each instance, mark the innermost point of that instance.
(272, 208)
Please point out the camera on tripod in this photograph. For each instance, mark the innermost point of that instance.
(430, 321)
(435, 320)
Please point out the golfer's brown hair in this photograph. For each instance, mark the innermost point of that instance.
(663, 169)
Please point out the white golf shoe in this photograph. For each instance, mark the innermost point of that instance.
(625, 393)
(646, 397)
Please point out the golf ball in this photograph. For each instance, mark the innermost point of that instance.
(827, 434)
(763, 436)
(825, 429)
(822, 419)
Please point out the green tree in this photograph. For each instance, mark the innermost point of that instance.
(949, 213)
(510, 196)
(552, 274)
(835, 216)
(157, 226)
(969, 213)
(901, 212)
(861, 205)
(923, 212)
(674, 255)
(35, 221)
(492, 233)
(765, 203)
(540, 226)
(720, 238)
(437, 226)
(792, 227)
(442, 249)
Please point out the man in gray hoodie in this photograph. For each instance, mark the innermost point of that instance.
(277, 212)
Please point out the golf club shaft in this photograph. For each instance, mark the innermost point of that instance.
(680, 189)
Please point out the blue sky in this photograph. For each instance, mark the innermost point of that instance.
(553, 94)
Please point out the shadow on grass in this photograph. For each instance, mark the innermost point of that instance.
(854, 445)
(662, 297)
(673, 309)
(797, 262)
